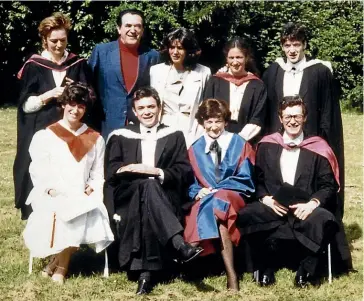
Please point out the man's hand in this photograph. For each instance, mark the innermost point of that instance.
(140, 168)
(204, 192)
(276, 207)
(303, 210)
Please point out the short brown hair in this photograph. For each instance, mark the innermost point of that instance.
(56, 21)
(77, 92)
(213, 108)
(293, 31)
(291, 101)
(146, 92)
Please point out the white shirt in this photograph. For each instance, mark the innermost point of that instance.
(148, 145)
(292, 78)
(236, 97)
(223, 140)
(289, 159)
(34, 103)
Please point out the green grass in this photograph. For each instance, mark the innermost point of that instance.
(16, 284)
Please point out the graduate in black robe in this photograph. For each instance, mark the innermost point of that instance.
(313, 80)
(249, 110)
(306, 165)
(42, 79)
(147, 177)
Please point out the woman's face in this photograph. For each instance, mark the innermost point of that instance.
(214, 127)
(56, 42)
(177, 53)
(236, 61)
(73, 112)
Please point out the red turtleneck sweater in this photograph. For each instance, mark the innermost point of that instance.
(129, 64)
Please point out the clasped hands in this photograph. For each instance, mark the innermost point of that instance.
(139, 168)
(53, 192)
(301, 210)
(204, 192)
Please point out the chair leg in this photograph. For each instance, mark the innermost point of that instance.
(30, 265)
(106, 268)
(329, 262)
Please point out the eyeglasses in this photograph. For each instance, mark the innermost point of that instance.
(297, 117)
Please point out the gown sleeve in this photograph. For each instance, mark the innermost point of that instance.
(96, 178)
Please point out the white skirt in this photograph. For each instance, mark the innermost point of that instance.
(61, 222)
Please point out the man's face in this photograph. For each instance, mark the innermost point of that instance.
(294, 50)
(293, 121)
(147, 111)
(131, 29)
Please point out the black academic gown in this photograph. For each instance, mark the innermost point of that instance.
(313, 175)
(321, 96)
(150, 212)
(37, 79)
(253, 104)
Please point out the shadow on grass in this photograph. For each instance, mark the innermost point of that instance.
(353, 232)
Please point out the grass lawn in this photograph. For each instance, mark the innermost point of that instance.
(16, 284)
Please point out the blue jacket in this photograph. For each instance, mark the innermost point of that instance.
(109, 83)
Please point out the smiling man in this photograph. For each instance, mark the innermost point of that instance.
(313, 80)
(297, 179)
(120, 68)
(147, 174)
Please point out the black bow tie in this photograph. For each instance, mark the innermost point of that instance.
(215, 147)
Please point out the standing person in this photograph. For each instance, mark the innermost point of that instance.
(241, 89)
(222, 165)
(312, 79)
(180, 81)
(297, 179)
(67, 198)
(43, 78)
(147, 168)
(120, 68)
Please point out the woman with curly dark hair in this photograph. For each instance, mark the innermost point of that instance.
(66, 169)
(42, 80)
(180, 81)
(242, 90)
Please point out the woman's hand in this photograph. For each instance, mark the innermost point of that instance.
(303, 210)
(276, 207)
(68, 80)
(52, 192)
(88, 190)
(204, 192)
(54, 93)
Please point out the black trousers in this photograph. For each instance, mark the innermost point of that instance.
(149, 221)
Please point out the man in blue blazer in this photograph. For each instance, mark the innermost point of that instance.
(120, 68)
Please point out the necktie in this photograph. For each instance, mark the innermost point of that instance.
(215, 147)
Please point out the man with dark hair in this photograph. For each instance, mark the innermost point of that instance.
(148, 172)
(312, 79)
(120, 68)
(297, 179)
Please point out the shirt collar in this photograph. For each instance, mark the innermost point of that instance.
(296, 141)
(299, 65)
(46, 54)
(144, 129)
(222, 139)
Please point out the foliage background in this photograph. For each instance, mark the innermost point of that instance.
(335, 28)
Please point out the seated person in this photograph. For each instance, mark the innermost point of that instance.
(222, 167)
(68, 177)
(148, 171)
(307, 166)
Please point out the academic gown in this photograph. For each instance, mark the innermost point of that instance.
(236, 185)
(253, 104)
(321, 96)
(313, 175)
(146, 206)
(36, 78)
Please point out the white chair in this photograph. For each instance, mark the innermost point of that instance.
(106, 267)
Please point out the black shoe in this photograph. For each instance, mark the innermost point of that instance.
(186, 252)
(267, 278)
(302, 278)
(144, 287)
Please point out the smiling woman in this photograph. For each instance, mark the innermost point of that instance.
(180, 81)
(43, 78)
